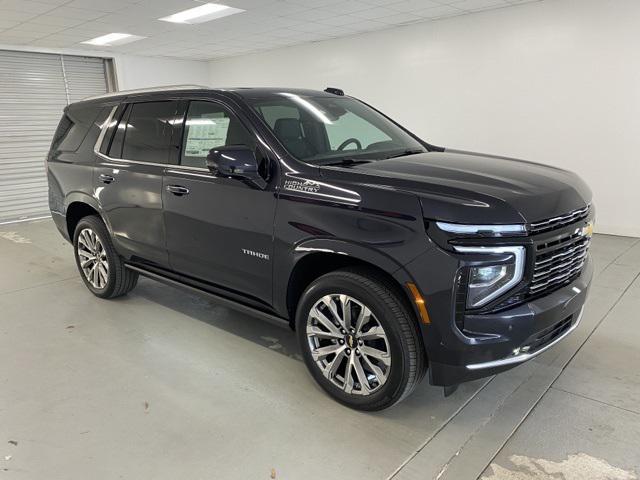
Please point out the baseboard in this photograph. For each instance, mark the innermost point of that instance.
(620, 230)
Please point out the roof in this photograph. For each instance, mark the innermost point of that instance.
(168, 88)
(246, 92)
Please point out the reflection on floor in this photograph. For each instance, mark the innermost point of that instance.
(165, 384)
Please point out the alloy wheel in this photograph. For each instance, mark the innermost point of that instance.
(93, 258)
(348, 344)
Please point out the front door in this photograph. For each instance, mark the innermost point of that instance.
(218, 230)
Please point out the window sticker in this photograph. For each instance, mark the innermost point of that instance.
(206, 133)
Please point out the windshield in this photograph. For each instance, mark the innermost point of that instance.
(324, 130)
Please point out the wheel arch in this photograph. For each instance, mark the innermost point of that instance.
(78, 206)
(315, 258)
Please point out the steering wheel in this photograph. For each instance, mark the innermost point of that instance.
(349, 141)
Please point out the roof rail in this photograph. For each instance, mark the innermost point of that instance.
(166, 88)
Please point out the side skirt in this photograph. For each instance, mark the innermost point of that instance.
(233, 304)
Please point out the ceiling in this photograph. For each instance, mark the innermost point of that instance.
(265, 25)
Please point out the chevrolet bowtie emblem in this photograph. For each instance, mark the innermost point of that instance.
(587, 230)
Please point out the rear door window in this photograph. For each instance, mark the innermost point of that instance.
(146, 132)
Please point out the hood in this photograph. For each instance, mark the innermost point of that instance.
(464, 187)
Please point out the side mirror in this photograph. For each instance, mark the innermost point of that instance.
(236, 161)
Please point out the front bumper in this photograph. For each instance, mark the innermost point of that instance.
(495, 342)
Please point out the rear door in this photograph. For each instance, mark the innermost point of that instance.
(219, 230)
(128, 179)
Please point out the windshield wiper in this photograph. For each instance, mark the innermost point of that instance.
(408, 151)
(346, 162)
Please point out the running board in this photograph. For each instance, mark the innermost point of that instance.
(254, 312)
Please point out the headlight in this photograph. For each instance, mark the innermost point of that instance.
(486, 230)
(487, 281)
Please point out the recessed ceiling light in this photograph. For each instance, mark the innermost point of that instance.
(201, 14)
(113, 39)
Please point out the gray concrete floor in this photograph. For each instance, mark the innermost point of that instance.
(164, 384)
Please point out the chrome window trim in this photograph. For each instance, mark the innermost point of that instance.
(125, 160)
(475, 229)
(103, 130)
(163, 165)
(519, 254)
(523, 357)
(177, 167)
(189, 168)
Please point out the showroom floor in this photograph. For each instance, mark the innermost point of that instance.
(164, 384)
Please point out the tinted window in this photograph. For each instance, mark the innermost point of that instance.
(148, 131)
(325, 129)
(271, 113)
(74, 127)
(108, 134)
(115, 150)
(210, 126)
(353, 126)
(61, 132)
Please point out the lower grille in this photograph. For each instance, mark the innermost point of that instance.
(548, 335)
(558, 263)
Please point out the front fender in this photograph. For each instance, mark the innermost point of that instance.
(352, 253)
(348, 248)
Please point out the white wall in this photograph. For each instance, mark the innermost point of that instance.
(556, 82)
(139, 72)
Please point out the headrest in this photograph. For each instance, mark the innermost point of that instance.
(289, 128)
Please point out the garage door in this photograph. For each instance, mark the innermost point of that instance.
(34, 89)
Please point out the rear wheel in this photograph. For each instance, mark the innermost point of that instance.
(101, 268)
(359, 339)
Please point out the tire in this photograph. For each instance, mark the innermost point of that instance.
(374, 385)
(109, 278)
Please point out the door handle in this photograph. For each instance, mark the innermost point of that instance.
(106, 178)
(178, 190)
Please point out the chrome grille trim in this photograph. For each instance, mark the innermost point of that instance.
(559, 264)
(571, 251)
(559, 221)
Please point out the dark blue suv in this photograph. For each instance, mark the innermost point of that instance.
(390, 257)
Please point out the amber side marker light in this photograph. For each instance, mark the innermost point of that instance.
(420, 303)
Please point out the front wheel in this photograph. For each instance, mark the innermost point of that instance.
(359, 339)
(100, 266)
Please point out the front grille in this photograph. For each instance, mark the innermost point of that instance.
(548, 335)
(558, 263)
(559, 221)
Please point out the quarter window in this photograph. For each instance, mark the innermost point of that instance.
(75, 126)
(209, 126)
